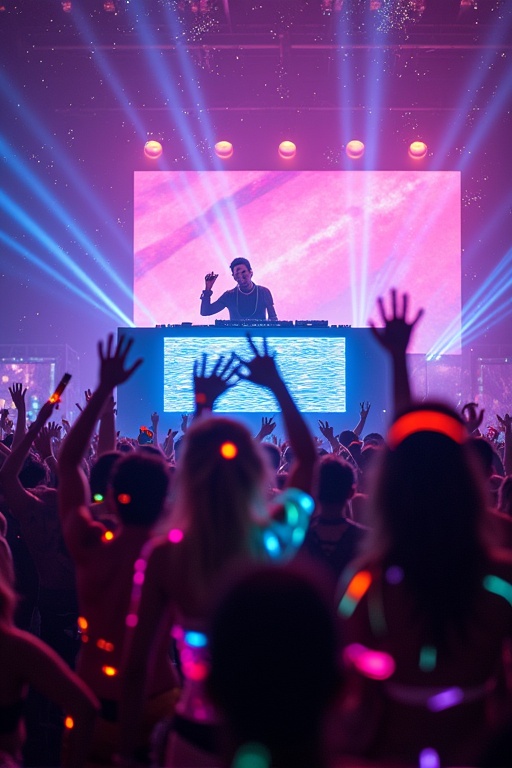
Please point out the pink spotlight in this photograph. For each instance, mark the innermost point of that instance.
(417, 150)
(287, 150)
(355, 149)
(224, 150)
(66, 6)
(153, 149)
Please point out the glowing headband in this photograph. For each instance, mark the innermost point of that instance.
(426, 421)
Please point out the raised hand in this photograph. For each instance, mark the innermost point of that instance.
(395, 334)
(262, 368)
(364, 410)
(208, 387)
(505, 423)
(326, 430)
(54, 429)
(267, 427)
(17, 395)
(168, 446)
(209, 280)
(472, 416)
(113, 370)
(155, 418)
(184, 423)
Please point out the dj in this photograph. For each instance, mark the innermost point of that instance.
(247, 301)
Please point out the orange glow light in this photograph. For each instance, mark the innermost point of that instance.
(104, 645)
(359, 585)
(228, 450)
(224, 150)
(107, 536)
(69, 723)
(109, 671)
(153, 149)
(287, 150)
(82, 622)
(426, 421)
(355, 149)
(417, 150)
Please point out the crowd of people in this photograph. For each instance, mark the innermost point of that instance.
(223, 599)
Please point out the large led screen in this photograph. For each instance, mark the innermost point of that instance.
(315, 386)
(326, 244)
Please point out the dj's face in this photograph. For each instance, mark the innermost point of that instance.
(242, 275)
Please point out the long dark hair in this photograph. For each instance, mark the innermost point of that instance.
(429, 508)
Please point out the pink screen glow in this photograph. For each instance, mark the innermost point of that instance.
(326, 243)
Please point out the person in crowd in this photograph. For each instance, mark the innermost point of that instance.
(27, 661)
(220, 519)
(35, 510)
(275, 671)
(247, 301)
(105, 561)
(332, 537)
(427, 607)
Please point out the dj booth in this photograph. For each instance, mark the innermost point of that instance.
(328, 369)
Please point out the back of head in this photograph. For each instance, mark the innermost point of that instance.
(33, 472)
(347, 436)
(100, 474)
(335, 478)
(274, 667)
(140, 482)
(505, 496)
(273, 455)
(220, 484)
(429, 508)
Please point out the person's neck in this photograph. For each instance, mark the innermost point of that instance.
(249, 288)
(331, 511)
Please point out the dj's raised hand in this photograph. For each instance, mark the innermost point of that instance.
(209, 280)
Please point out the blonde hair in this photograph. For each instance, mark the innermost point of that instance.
(220, 484)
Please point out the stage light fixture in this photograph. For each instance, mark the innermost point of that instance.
(224, 150)
(66, 6)
(417, 150)
(153, 149)
(109, 6)
(355, 149)
(287, 150)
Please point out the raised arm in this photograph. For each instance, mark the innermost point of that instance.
(107, 429)
(364, 410)
(73, 485)
(262, 370)
(207, 308)
(506, 424)
(18, 397)
(16, 496)
(394, 338)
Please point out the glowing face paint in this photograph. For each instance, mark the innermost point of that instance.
(446, 699)
(356, 589)
(104, 645)
(196, 639)
(428, 758)
(109, 671)
(498, 587)
(175, 535)
(394, 574)
(376, 665)
(252, 756)
(228, 450)
(428, 658)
